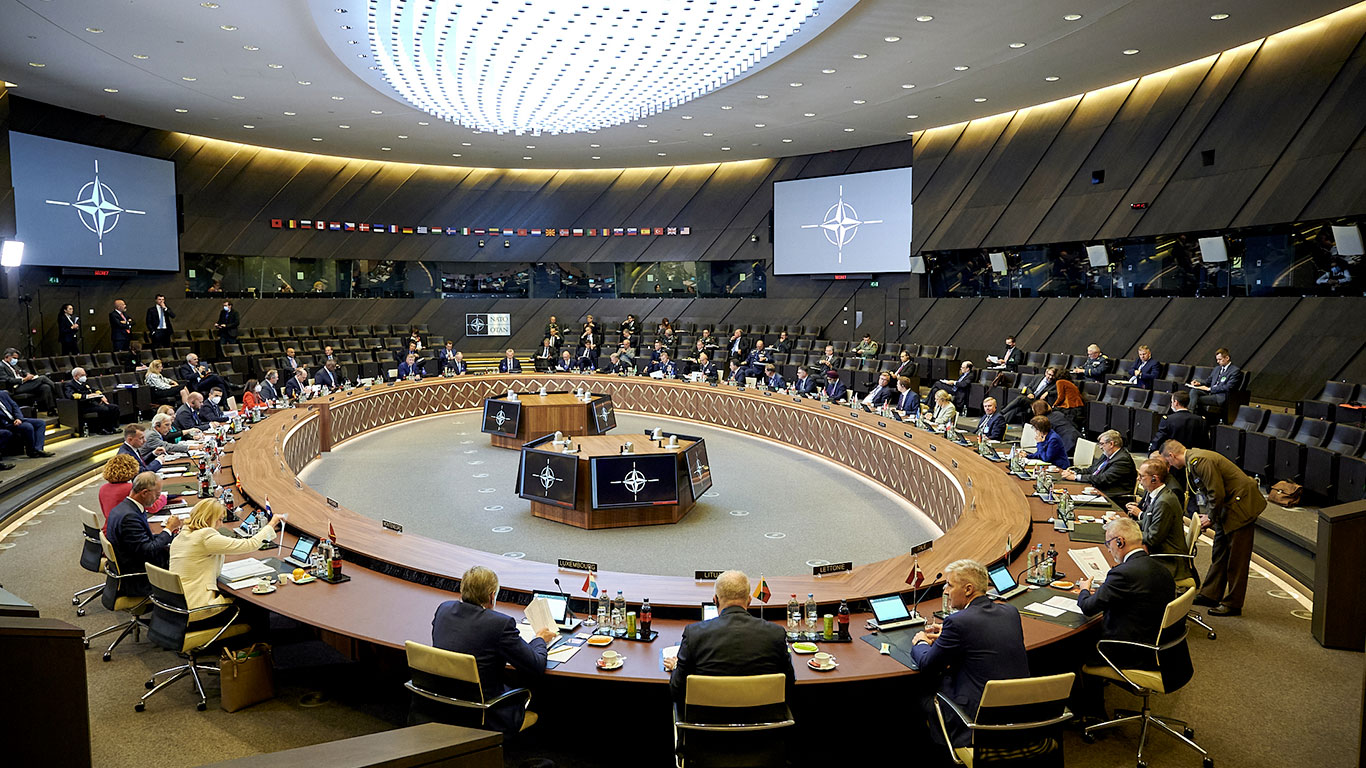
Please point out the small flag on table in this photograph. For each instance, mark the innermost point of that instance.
(917, 576)
(1008, 548)
(331, 534)
(266, 507)
(762, 592)
(590, 584)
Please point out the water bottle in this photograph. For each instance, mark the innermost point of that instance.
(602, 609)
(811, 616)
(619, 613)
(794, 617)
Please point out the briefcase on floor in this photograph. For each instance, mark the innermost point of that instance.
(247, 676)
(1285, 493)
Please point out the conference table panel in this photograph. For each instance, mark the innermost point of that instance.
(974, 501)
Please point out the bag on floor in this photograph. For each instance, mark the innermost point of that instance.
(247, 676)
(1285, 493)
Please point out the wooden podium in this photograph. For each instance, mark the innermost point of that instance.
(540, 415)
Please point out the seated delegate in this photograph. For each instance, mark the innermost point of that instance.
(197, 552)
(118, 476)
(1049, 449)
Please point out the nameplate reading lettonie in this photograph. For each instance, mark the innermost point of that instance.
(331, 502)
(828, 568)
(706, 575)
(578, 565)
(391, 525)
(918, 548)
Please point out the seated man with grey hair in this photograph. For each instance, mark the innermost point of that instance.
(156, 438)
(981, 640)
(470, 625)
(131, 536)
(1112, 473)
(733, 643)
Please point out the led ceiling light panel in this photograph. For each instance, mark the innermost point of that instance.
(551, 66)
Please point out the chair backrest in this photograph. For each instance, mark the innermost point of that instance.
(735, 691)
(170, 613)
(1058, 361)
(1136, 397)
(1311, 432)
(1003, 696)
(1173, 655)
(1335, 392)
(448, 673)
(1036, 359)
(1023, 720)
(1114, 394)
(1280, 424)
(1160, 402)
(1178, 372)
(91, 550)
(1084, 453)
(1250, 418)
(1347, 440)
(1027, 438)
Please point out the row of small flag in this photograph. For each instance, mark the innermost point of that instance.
(395, 229)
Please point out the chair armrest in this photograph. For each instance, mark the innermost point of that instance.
(1100, 648)
(515, 692)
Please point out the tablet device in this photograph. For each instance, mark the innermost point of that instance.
(709, 611)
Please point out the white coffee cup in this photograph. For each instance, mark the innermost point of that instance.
(610, 657)
(823, 659)
(263, 583)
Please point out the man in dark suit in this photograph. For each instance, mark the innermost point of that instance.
(295, 386)
(1010, 360)
(187, 415)
(882, 393)
(32, 432)
(270, 385)
(1226, 378)
(992, 426)
(554, 332)
(906, 367)
(830, 359)
(1113, 473)
(289, 362)
(1159, 514)
(805, 384)
(733, 643)
(1133, 597)
(544, 358)
(907, 400)
(410, 367)
(159, 318)
(409, 348)
(706, 367)
(92, 404)
(471, 626)
(664, 366)
(455, 364)
(738, 345)
(22, 382)
(957, 388)
(120, 326)
(199, 378)
(69, 330)
(131, 536)
(134, 437)
(329, 375)
(772, 379)
(834, 388)
(738, 372)
(226, 325)
(1229, 502)
(1144, 372)
(1045, 388)
(616, 366)
(1181, 425)
(510, 363)
(587, 357)
(1096, 367)
(212, 408)
(566, 362)
(980, 641)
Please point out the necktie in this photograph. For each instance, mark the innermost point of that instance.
(161, 318)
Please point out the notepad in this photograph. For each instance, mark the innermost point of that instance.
(1044, 609)
(1061, 603)
(246, 568)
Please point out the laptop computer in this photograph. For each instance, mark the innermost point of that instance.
(303, 550)
(889, 612)
(1003, 582)
(244, 530)
(1092, 533)
(559, 610)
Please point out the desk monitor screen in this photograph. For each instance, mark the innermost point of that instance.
(550, 478)
(501, 417)
(889, 608)
(604, 415)
(303, 548)
(709, 611)
(634, 481)
(556, 603)
(699, 468)
(1001, 579)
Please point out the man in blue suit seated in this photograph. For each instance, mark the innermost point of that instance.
(834, 388)
(1144, 372)
(907, 399)
(32, 432)
(134, 437)
(455, 364)
(772, 379)
(470, 625)
(295, 386)
(566, 362)
(212, 409)
(187, 415)
(1050, 448)
(329, 375)
(993, 425)
(738, 372)
(805, 384)
(410, 367)
(510, 363)
(664, 366)
(1226, 378)
(957, 388)
(980, 641)
(131, 536)
(706, 367)
(881, 393)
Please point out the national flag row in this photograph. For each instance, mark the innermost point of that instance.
(396, 229)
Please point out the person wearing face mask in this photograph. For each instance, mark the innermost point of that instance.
(19, 381)
(212, 409)
(91, 403)
(226, 325)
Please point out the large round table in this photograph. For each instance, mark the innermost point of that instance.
(397, 580)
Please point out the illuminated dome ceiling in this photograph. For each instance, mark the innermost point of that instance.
(677, 81)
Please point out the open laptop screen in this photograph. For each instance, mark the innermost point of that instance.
(556, 604)
(303, 548)
(1001, 579)
(888, 608)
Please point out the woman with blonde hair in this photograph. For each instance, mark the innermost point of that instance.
(945, 415)
(164, 388)
(119, 472)
(197, 552)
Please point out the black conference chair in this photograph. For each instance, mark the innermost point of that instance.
(1258, 446)
(92, 558)
(1288, 453)
(1324, 405)
(1322, 465)
(1229, 438)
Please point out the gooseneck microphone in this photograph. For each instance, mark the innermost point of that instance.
(568, 610)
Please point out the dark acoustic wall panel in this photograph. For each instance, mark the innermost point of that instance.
(944, 320)
(1343, 189)
(955, 171)
(1243, 328)
(1176, 330)
(984, 331)
(912, 312)
(1114, 327)
(1354, 365)
(1041, 325)
(1309, 346)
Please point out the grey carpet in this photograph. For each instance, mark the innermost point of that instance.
(771, 508)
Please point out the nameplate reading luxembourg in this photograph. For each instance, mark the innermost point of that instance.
(578, 565)
(331, 502)
(706, 575)
(391, 525)
(829, 568)
(918, 548)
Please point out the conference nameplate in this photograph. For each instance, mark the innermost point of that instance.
(391, 525)
(918, 548)
(577, 565)
(706, 575)
(331, 502)
(829, 568)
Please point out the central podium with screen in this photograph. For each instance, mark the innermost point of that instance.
(511, 423)
(600, 487)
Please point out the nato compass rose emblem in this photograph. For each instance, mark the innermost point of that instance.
(635, 481)
(604, 412)
(700, 470)
(500, 418)
(98, 207)
(477, 324)
(547, 476)
(841, 224)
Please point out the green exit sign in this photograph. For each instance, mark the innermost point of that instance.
(54, 280)
(872, 283)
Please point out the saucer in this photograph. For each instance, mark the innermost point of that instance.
(621, 660)
(266, 591)
(804, 647)
(305, 580)
(812, 664)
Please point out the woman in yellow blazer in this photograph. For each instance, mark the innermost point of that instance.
(197, 552)
(945, 415)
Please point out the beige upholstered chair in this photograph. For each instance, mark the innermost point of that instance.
(724, 719)
(170, 629)
(452, 679)
(1018, 722)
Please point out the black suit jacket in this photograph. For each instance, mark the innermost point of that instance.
(187, 418)
(65, 333)
(1144, 373)
(516, 366)
(1012, 358)
(806, 386)
(287, 365)
(492, 639)
(1185, 427)
(135, 546)
(151, 465)
(1163, 531)
(745, 345)
(152, 319)
(1114, 476)
(733, 643)
(993, 427)
(229, 320)
(1133, 596)
(120, 326)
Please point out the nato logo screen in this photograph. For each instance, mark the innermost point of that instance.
(857, 222)
(80, 206)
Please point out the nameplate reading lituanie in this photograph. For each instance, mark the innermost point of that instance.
(706, 575)
(331, 502)
(828, 568)
(918, 548)
(391, 525)
(578, 565)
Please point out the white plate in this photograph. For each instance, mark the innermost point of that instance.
(621, 661)
(259, 591)
(812, 664)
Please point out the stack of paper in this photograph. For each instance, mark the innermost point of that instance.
(244, 572)
(1091, 561)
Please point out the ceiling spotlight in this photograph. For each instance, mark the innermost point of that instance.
(908, 86)
(343, 126)
(403, 135)
(1218, 17)
(924, 18)
(423, 122)
(642, 125)
(181, 110)
(661, 154)
(246, 125)
(376, 112)
(912, 117)
(761, 125)
(708, 134)
(727, 106)
(390, 149)
(291, 114)
(892, 39)
(594, 146)
(848, 130)
(1072, 17)
(1129, 51)
(304, 82)
(317, 138)
(961, 68)
(228, 28)
(276, 66)
(526, 157)
(465, 144)
(761, 96)
(1051, 78)
(860, 101)
(725, 149)
(795, 85)
(94, 30)
(597, 157)
(685, 117)
(251, 47)
(980, 99)
(140, 56)
(808, 114)
(210, 6)
(239, 98)
(860, 55)
(189, 79)
(531, 146)
(339, 98)
(653, 141)
(36, 65)
(787, 141)
(1017, 45)
(111, 90)
(456, 154)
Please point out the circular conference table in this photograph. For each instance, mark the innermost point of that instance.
(398, 580)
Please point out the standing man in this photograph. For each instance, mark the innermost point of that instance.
(131, 536)
(1181, 425)
(1226, 378)
(21, 382)
(1159, 514)
(1229, 502)
(120, 326)
(226, 325)
(69, 330)
(91, 404)
(159, 323)
(1113, 474)
(31, 431)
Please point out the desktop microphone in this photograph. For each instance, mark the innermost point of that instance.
(915, 601)
(568, 611)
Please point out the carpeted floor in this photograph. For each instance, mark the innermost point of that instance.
(1264, 693)
(770, 510)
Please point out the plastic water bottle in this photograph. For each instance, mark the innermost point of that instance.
(794, 617)
(812, 614)
(619, 613)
